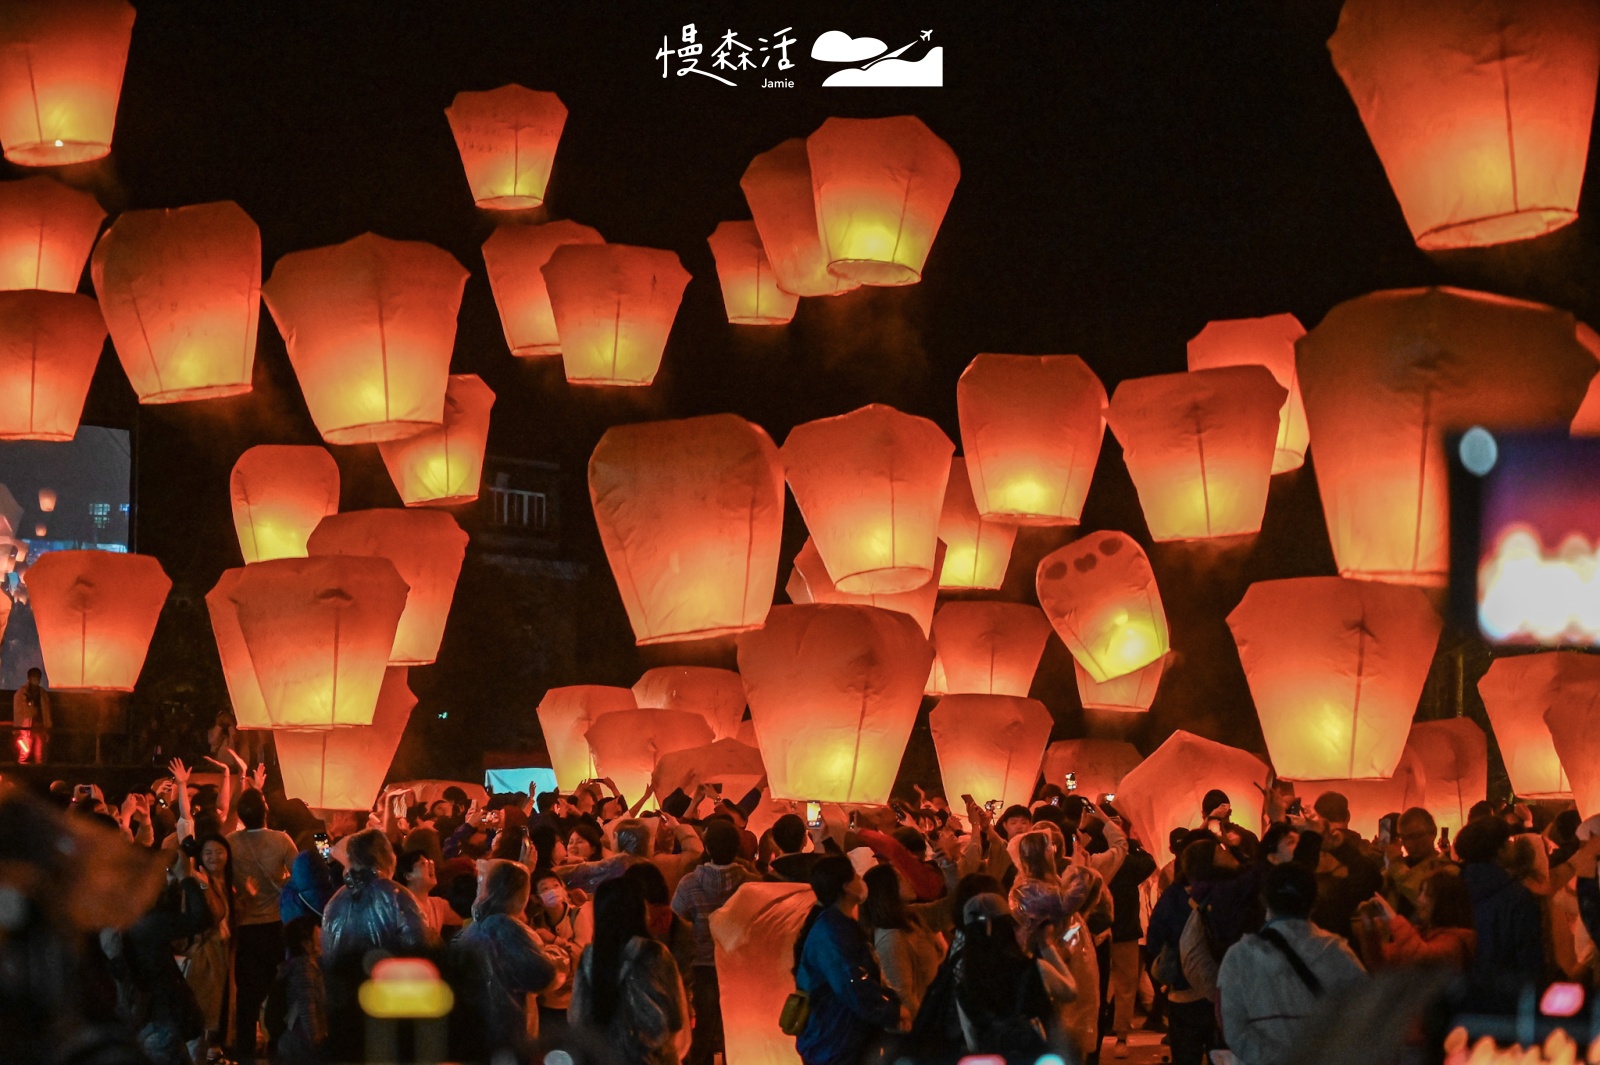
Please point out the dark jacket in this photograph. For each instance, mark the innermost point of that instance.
(1136, 868)
(150, 987)
(1510, 931)
(1355, 880)
(792, 868)
(850, 1005)
(510, 965)
(309, 888)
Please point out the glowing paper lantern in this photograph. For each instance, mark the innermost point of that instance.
(613, 305)
(507, 140)
(427, 548)
(46, 231)
(515, 257)
(691, 515)
(1199, 447)
(1387, 375)
(181, 294)
(1031, 427)
(870, 485)
(1131, 693)
(1455, 760)
(343, 769)
(238, 670)
(1336, 668)
(1100, 594)
(47, 500)
(735, 765)
(5, 611)
(834, 691)
(777, 186)
(977, 551)
(750, 291)
(754, 934)
(627, 744)
(1165, 791)
(1097, 766)
(280, 492)
(989, 648)
(1479, 112)
(60, 74)
(990, 746)
(881, 187)
(715, 694)
(1265, 342)
(49, 344)
(1517, 691)
(96, 612)
(1371, 800)
(369, 325)
(565, 715)
(809, 583)
(319, 631)
(443, 467)
(1571, 718)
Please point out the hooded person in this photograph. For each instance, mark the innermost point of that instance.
(1217, 810)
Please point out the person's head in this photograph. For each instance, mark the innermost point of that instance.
(1206, 859)
(1564, 827)
(503, 890)
(368, 854)
(1289, 891)
(722, 842)
(1278, 843)
(1036, 854)
(972, 885)
(634, 837)
(912, 840)
(415, 870)
(456, 797)
(1479, 810)
(508, 844)
(1418, 833)
(789, 833)
(981, 913)
(1443, 902)
(619, 917)
(1177, 839)
(884, 906)
(1333, 808)
(460, 893)
(657, 899)
(252, 809)
(947, 842)
(835, 883)
(551, 890)
(302, 936)
(1071, 810)
(224, 720)
(35, 677)
(425, 840)
(1215, 805)
(544, 844)
(1014, 821)
(584, 843)
(216, 857)
(1482, 840)
(439, 809)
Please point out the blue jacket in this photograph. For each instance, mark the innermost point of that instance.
(850, 1005)
(309, 888)
(1167, 918)
(1510, 932)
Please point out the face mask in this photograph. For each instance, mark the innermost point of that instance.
(553, 898)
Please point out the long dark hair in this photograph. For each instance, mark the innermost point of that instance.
(619, 916)
(1452, 905)
(884, 908)
(987, 970)
(227, 867)
(830, 875)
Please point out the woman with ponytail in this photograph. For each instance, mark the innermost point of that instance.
(628, 990)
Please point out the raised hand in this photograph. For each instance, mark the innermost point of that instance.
(179, 771)
(258, 778)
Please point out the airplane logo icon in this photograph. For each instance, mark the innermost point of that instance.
(927, 35)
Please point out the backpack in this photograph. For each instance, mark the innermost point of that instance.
(1199, 954)
(1167, 968)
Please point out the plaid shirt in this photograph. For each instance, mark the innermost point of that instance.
(702, 890)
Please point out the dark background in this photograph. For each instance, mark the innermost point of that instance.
(1129, 172)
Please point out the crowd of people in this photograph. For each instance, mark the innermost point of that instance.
(934, 932)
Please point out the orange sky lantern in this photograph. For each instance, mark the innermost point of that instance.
(1165, 790)
(343, 769)
(427, 548)
(1479, 112)
(732, 763)
(1265, 342)
(443, 467)
(49, 345)
(515, 256)
(1386, 375)
(870, 485)
(61, 70)
(989, 648)
(565, 715)
(1570, 719)
(1131, 693)
(1097, 766)
(809, 583)
(715, 694)
(1370, 799)
(777, 186)
(614, 305)
(319, 631)
(46, 231)
(1517, 691)
(881, 187)
(280, 492)
(1454, 754)
(1100, 594)
(691, 516)
(834, 691)
(96, 612)
(977, 551)
(47, 500)
(627, 744)
(1336, 668)
(1031, 427)
(238, 671)
(990, 746)
(754, 934)
(369, 325)
(1199, 447)
(507, 139)
(750, 291)
(181, 293)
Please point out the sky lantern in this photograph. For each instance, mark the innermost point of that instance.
(1371, 800)
(1199, 447)
(443, 467)
(1165, 791)
(1031, 427)
(1265, 342)
(49, 345)
(977, 550)
(181, 293)
(47, 500)
(627, 744)
(507, 139)
(61, 70)
(565, 715)
(427, 548)
(989, 648)
(96, 612)
(280, 492)
(515, 256)
(729, 762)
(1517, 691)
(754, 934)
(1479, 112)
(1386, 375)
(834, 691)
(715, 694)
(1097, 766)
(613, 305)
(369, 325)
(1100, 594)
(46, 231)
(777, 186)
(1454, 754)
(881, 187)
(691, 515)
(990, 746)
(750, 291)
(319, 631)
(809, 583)
(343, 768)
(1131, 693)
(871, 485)
(1336, 667)
(1570, 719)
(238, 671)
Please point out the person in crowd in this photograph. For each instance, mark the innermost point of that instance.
(1442, 933)
(906, 849)
(677, 847)
(153, 998)
(1217, 810)
(304, 996)
(1346, 876)
(544, 847)
(850, 1006)
(223, 736)
(700, 893)
(628, 990)
(1412, 859)
(1191, 1015)
(208, 961)
(262, 861)
(310, 884)
(1127, 930)
(1002, 1005)
(585, 843)
(30, 718)
(635, 840)
(908, 950)
(553, 916)
(666, 927)
(793, 863)
(413, 870)
(512, 961)
(1505, 915)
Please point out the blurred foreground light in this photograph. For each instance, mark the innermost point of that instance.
(1478, 450)
(406, 988)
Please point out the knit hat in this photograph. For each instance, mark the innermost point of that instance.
(1331, 806)
(1214, 798)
